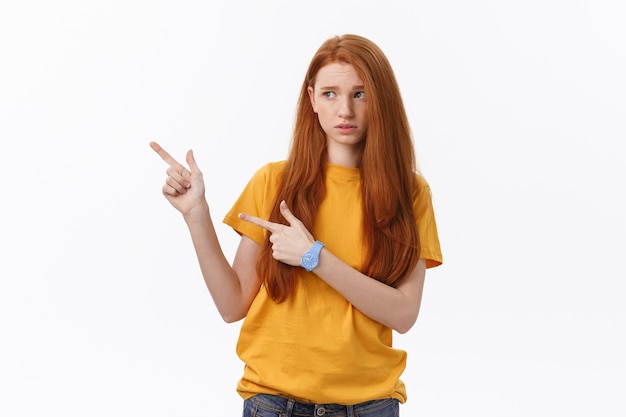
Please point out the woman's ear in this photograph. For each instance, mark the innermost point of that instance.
(312, 98)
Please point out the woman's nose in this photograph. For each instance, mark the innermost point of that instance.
(345, 108)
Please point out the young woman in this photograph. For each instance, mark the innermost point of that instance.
(335, 243)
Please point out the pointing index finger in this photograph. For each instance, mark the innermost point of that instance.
(267, 225)
(164, 155)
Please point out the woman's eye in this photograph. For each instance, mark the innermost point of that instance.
(328, 94)
(359, 94)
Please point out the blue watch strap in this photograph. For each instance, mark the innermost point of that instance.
(311, 258)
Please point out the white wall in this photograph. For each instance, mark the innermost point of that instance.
(518, 111)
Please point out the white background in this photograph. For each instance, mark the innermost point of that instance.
(518, 111)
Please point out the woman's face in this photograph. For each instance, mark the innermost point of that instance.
(338, 98)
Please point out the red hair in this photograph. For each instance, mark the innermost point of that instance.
(387, 170)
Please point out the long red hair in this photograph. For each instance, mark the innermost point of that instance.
(387, 170)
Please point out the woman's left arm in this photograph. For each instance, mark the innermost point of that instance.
(395, 307)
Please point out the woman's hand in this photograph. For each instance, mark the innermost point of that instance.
(289, 243)
(183, 188)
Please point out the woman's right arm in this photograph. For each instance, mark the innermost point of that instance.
(232, 288)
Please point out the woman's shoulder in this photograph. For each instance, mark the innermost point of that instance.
(271, 168)
(276, 165)
(420, 181)
(268, 173)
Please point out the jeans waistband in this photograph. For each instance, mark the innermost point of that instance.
(295, 408)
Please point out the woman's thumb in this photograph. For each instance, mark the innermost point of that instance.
(191, 161)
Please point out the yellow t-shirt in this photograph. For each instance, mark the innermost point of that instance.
(316, 346)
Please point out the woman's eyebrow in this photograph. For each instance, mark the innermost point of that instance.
(333, 87)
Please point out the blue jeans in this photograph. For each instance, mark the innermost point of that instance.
(264, 405)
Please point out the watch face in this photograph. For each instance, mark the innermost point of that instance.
(309, 261)
(311, 258)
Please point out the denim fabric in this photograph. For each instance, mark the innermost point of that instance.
(263, 405)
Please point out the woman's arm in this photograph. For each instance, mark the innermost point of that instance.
(395, 307)
(232, 287)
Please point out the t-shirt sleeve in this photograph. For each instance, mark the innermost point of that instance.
(256, 199)
(430, 249)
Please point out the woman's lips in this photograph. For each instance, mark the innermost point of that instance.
(345, 128)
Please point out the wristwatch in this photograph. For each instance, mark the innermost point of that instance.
(312, 257)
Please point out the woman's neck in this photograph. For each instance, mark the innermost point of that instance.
(346, 155)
